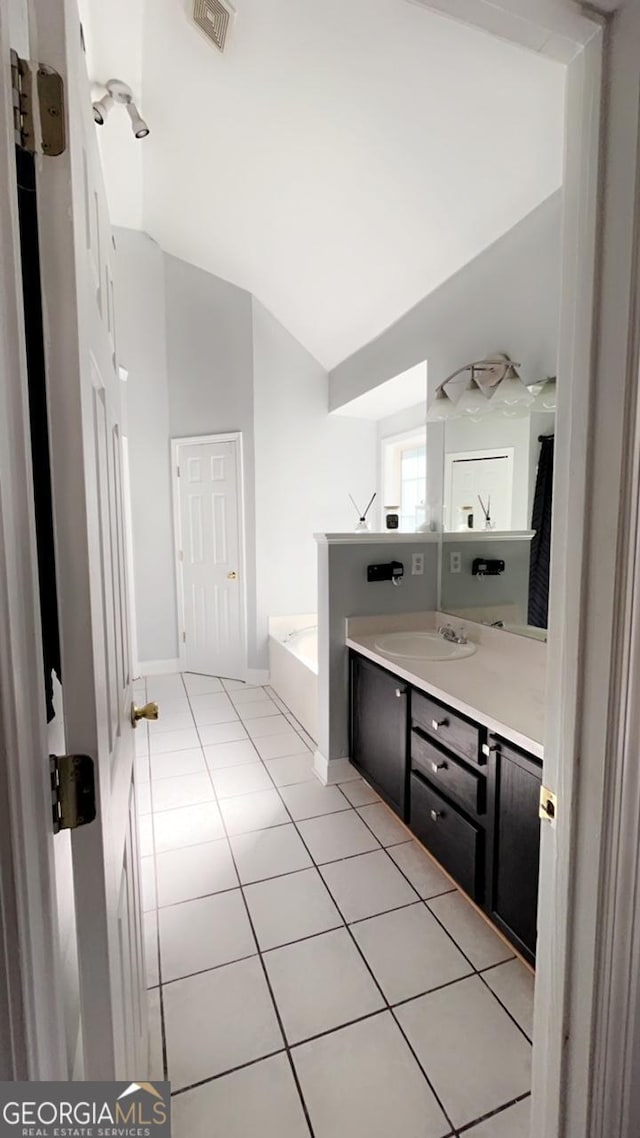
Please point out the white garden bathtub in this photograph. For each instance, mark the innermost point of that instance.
(293, 666)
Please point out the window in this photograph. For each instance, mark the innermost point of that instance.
(404, 470)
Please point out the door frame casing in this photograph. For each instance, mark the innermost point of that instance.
(200, 440)
(20, 653)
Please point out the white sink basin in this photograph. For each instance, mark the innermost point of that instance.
(422, 646)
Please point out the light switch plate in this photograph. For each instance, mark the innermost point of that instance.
(417, 564)
(455, 563)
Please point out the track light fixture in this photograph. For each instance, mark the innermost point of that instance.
(119, 92)
(101, 109)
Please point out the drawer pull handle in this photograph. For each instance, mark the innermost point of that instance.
(400, 692)
(437, 723)
(435, 767)
(435, 815)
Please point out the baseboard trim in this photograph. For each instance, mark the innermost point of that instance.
(330, 771)
(159, 667)
(258, 676)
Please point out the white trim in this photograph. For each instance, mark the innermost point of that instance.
(601, 1086)
(488, 535)
(195, 440)
(330, 772)
(158, 668)
(371, 538)
(559, 913)
(131, 576)
(258, 677)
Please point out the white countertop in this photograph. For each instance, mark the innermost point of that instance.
(502, 686)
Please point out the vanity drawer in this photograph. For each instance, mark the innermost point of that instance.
(448, 727)
(455, 780)
(455, 842)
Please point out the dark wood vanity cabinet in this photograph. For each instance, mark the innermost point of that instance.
(514, 780)
(379, 730)
(448, 789)
(470, 797)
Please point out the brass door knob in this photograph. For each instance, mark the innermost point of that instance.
(149, 711)
(232, 576)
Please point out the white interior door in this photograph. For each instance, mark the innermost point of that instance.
(84, 394)
(210, 556)
(475, 476)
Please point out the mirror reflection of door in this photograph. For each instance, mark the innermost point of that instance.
(474, 479)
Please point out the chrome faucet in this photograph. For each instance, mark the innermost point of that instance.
(448, 633)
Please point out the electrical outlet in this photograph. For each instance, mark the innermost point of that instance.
(455, 563)
(417, 564)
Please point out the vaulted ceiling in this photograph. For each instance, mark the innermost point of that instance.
(340, 160)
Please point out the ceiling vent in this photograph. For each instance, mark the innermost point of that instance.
(214, 18)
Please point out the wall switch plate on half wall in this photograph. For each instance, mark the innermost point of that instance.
(417, 564)
(455, 562)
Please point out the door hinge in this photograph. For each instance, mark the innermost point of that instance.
(73, 791)
(184, 638)
(178, 471)
(50, 95)
(180, 555)
(548, 805)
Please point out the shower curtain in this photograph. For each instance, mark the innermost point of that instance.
(541, 543)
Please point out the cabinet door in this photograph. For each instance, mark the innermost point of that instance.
(379, 730)
(514, 795)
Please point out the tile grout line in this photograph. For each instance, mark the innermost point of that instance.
(223, 1074)
(492, 1114)
(475, 971)
(387, 1006)
(345, 925)
(266, 975)
(253, 933)
(303, 940)
(368, 967)
(163, 1032)
(279, 877)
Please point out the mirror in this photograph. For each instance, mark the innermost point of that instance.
(496, 516)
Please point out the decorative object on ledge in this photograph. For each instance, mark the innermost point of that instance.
(493, 387)
(362, 524)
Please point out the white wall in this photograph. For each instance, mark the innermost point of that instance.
(307, 462)
(344, 591)
(507, 299)
(204, 358)
(140, 316)
(210, 378)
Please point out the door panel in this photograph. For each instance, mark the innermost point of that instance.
(208, 525)
(77, 260)
(514, 794)
(379, 725)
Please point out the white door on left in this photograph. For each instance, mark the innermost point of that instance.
(77, 258)
(210, 563)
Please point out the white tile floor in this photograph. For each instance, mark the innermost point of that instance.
(311, 970)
